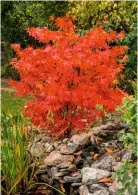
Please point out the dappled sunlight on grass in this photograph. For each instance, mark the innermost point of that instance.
(10, 101)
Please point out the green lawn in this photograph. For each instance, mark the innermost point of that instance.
(10, 102)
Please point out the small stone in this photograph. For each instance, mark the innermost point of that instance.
(44, 177)
(78, 160)
(76, 184)
(78, 153)
(41, 171)
(102, 151)
(56, 144)
(80, 139)
(101, 192)
(110, 144)
(96, 187)
(69, 169)
(68, 149)
(55, 158)
(46, 139)
(48, 147)
(59, 179)
(61, 174)
(93, 175)
(103, 163)
(127, 155)
(37, 149)
(54, 171)
(38, 138)
(88, 160)
(65, 140)
(72, 179)
(83, 190)
(63, 166)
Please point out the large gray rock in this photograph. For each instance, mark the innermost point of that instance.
(114, 187)
(83, 190)
(116, 166)
(103, 163)
(93, 175)
(81, 139)
(110, 128)
(101, 192)
(96, 187)
(55, 158)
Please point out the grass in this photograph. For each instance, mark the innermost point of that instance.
(15, 158)
(9, 101)
(18, 176)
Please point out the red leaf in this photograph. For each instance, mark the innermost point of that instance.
(109, 150)
(105, 180)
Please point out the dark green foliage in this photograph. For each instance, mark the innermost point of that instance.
(16, 17)
(7, 54)
(131, 64)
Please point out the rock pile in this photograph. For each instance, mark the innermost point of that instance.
(73, 162)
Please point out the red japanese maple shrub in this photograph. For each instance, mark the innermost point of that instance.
(69, 76)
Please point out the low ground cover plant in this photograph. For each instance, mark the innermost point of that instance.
(127, 174)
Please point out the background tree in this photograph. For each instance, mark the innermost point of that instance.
(116, 15)
(16, 17)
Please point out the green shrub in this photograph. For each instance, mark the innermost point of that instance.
(7, 54)
(116, 15)
(128, 173)
(131, 64)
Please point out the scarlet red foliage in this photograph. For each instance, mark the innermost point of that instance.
(69, 76)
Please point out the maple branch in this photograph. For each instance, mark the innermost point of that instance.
(74, 110)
